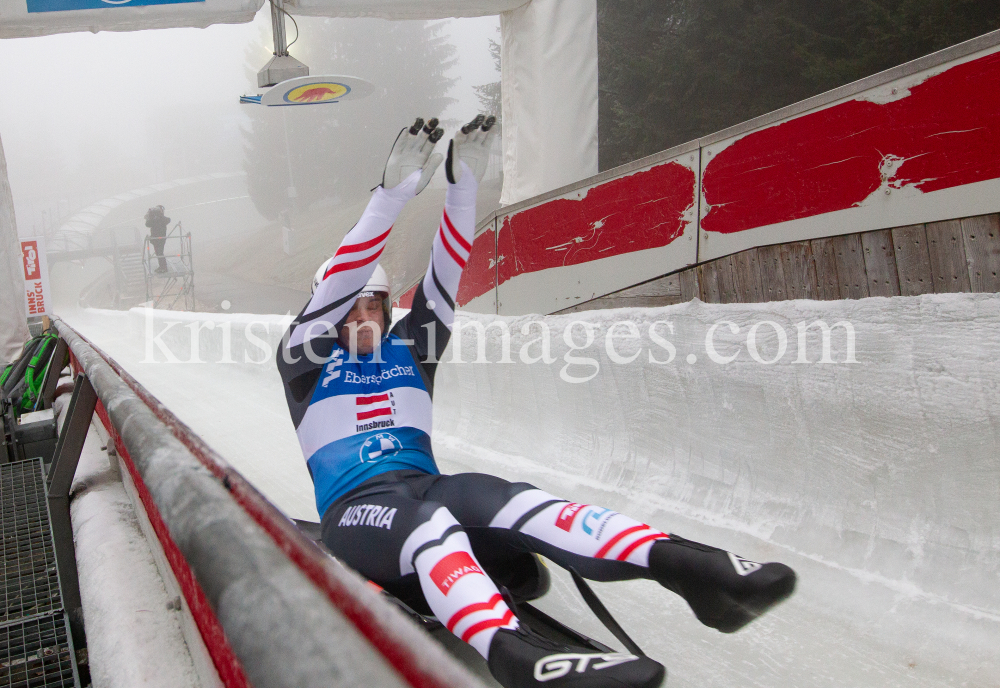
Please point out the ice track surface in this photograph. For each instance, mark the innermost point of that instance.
(878, 481)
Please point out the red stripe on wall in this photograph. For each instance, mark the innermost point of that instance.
(945, 133)
(316, 565)
(226, 664)
(479, 276)
(641, 211)
(405, 299)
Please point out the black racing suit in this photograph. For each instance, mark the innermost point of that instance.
(364, 425)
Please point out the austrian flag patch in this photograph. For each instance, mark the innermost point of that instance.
(449, 570)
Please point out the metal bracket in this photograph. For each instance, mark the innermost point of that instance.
(60, 478)
(58, 361)
(282, 66)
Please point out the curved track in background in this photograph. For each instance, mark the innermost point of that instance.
(876, 480)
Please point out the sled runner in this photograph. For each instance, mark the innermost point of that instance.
(529, 580)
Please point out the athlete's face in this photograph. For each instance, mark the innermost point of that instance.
(367, 311)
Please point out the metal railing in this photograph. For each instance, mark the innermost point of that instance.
(272, 608)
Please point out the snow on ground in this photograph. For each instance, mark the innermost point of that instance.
(876, 479)
(238, 407)
(133, 639)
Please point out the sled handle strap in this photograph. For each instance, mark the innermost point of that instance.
(602, 613)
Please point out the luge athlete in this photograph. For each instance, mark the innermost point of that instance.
(360, 401)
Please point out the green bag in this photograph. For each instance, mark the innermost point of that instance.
(15, 375)
(6, 373)
(34, 374)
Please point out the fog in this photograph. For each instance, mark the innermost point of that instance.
(89, 117)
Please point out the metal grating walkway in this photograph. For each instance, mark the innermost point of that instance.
(29, 577)
(38, 653)
(35, 648)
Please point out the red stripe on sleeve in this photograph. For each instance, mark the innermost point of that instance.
(362, 401)
(628, 550)
(341, 267)
(483, 625)
(449, 249)
(454, 232)
(365, 415)
(471, 609)
(616, 539)
(364, 245)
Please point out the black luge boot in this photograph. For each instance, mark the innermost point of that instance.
(523, 659)
(726, 592)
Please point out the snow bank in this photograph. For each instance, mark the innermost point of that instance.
(133, 637)
(216, 371)
(877, 479)
(238, 407)
(888, 464)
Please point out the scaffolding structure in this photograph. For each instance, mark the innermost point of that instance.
(126, 261)
(169, 270)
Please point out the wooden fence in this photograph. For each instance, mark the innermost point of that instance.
(960, 255)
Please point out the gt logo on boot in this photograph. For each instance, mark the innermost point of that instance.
(744, 567)
(557, 666)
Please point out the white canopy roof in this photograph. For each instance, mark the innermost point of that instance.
(21, 18)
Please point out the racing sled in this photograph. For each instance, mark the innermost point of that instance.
(526, 580)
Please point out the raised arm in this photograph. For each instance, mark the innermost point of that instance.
(306, 345)
(408, 170)
(433, 309)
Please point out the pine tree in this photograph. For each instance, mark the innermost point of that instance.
(674, 70)
(489, 95)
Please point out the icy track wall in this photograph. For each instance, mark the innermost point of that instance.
(885, 469)
(877, 480)
(886, 465)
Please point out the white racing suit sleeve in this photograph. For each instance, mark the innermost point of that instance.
(353, 263)
(309, 340)
(429, 322)
(451, 247)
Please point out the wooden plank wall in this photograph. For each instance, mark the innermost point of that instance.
(939, 257)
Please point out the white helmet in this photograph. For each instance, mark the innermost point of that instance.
(378, 283)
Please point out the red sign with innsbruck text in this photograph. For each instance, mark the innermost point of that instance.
(36, 276)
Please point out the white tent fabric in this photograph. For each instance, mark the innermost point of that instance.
(402, 9)
(13, 322)
(549, 82)
(17, 22)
